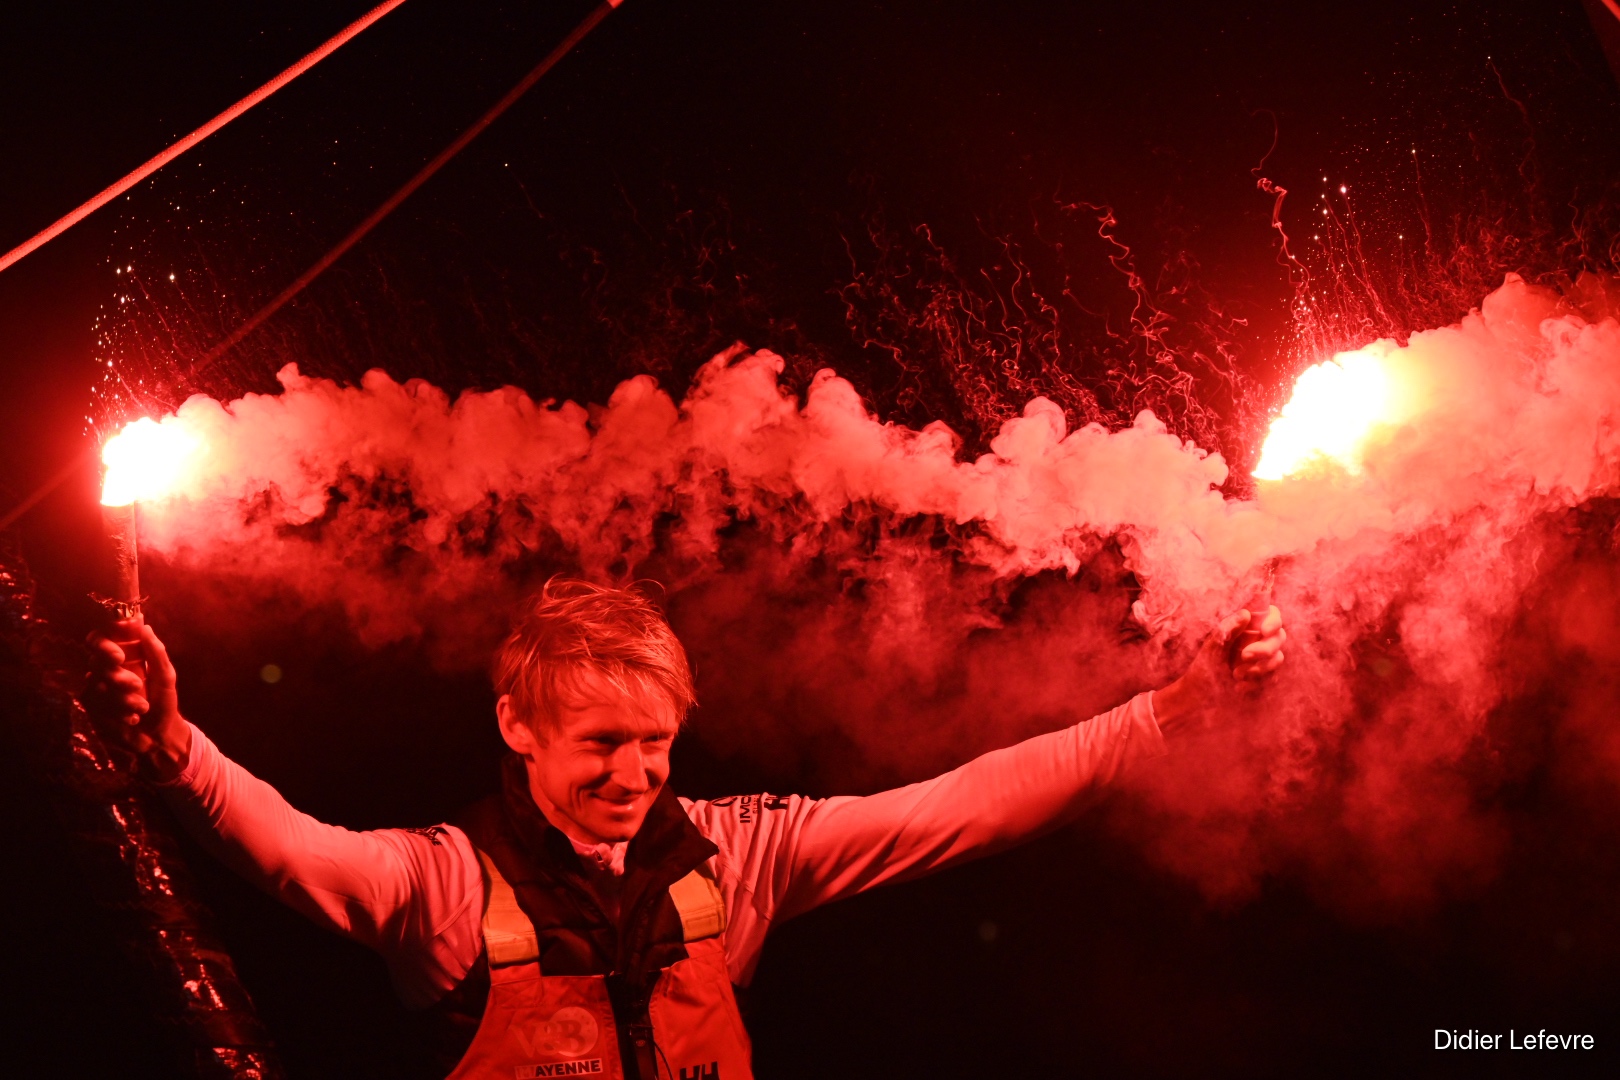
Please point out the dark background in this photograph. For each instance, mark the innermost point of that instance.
(701, 173)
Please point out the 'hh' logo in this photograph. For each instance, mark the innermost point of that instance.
(711, 1071)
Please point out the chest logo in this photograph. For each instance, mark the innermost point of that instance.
(569, 1033)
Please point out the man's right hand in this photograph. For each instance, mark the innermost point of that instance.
(132, 694)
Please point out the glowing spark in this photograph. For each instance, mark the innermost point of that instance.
(146, 460)
(1335, 404)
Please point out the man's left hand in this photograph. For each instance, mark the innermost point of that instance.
(1241, 653)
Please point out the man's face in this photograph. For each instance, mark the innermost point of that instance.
(603, 760)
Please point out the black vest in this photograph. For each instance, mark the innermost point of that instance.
(576, 933)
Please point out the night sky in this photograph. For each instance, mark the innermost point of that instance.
(702, 173)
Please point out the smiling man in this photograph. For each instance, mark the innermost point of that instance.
(585, 920)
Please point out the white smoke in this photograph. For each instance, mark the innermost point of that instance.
(417, 513)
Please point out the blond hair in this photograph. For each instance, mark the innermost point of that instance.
(570, 627)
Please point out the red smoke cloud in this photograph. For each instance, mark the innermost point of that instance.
(888, 608)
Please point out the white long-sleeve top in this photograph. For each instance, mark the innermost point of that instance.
(416, 895)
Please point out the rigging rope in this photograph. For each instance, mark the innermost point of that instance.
(422, 175)
(355, 235)
(71, 219)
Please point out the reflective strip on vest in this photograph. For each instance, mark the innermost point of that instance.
(702, 908)
(508, 933)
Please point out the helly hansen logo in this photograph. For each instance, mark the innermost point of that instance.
(561, 1068)
(711, 1071)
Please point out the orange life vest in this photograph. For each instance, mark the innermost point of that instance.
(628, 983)
(536, 1025)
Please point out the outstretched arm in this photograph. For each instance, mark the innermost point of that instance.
(785, 856)
(782, 856)
(415, 896)
(847, 845)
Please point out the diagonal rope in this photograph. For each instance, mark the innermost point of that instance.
(355, 235)
(71, 219)
(422, 175)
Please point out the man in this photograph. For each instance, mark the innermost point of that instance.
(586, 921)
